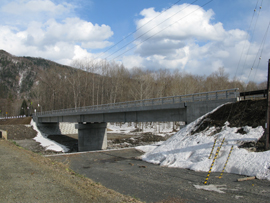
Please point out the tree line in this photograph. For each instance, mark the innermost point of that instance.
(102, 82)
(93, 83)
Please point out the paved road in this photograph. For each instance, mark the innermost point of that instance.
(121, 171)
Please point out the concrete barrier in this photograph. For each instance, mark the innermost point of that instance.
(3, 134)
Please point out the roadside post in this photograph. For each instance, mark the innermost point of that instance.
(218, 149)
(212, 149)
(267, 124)
(226, 162)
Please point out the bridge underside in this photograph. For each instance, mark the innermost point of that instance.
(134, 116)
(92, 125)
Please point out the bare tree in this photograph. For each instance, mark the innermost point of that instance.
(141, 84)
(251, 86)
(262, 85)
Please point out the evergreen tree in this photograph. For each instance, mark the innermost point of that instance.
(23, 110)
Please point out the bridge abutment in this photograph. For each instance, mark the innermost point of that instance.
(50, 128)
(195, 110)
(92, 136)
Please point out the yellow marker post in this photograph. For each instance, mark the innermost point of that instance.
(226, 162)
(212, 149)
(218, 149)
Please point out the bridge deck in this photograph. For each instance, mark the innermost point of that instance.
(158, 109)
(92, 120)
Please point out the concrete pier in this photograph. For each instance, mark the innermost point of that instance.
(92, 136)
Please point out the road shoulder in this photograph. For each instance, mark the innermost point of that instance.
(29, 177)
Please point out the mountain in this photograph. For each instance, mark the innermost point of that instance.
(18, 74)
(40, 84)
(18, 78)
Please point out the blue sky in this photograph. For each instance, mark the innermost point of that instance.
(186, 35)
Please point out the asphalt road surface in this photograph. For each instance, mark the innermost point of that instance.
(121, 171)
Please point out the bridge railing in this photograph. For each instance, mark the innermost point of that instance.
(204, 96)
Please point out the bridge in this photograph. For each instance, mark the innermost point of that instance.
(92, 120)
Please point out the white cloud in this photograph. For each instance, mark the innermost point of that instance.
(132, 61)
(180, 22)
(184, 37)
(81, 53)
(72, 30)
(49, 31)
(31, 7)
(159, 47)
(96, 44)
(23, 12)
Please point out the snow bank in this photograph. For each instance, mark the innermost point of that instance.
(184, 150)
(47, 143)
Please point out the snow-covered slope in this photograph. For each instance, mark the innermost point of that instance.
(185, 150)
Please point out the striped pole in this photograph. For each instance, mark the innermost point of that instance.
(226, 162)
(212, 149)
(218, 149)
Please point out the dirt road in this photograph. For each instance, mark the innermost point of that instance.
(29, 177)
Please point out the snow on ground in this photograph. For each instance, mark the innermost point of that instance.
(47, 143)
(122, 129)
(161, 129)
(216, 188)
(184, 150)
(126, 128)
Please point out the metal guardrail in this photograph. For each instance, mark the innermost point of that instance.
(256, 94)
(204, 96)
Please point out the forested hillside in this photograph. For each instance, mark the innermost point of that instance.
(18, 79)
(54, 86)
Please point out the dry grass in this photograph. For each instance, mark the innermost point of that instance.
(84, 187)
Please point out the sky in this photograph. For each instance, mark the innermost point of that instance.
(192, 36)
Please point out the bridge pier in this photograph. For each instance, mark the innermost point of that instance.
(92, 136)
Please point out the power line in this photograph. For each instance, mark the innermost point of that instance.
(247, 52)
(246, 38)
(260, 51)
(137, 29)
(162, 29)
(252, 35)
(150, 29)
(260, 48)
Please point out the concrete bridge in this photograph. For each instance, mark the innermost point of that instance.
(92, 120)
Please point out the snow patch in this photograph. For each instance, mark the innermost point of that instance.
(215, 188)
(14, 61)
(47, 143)
(184, 150)
(148, 148)
(157, 128)
(21, 77)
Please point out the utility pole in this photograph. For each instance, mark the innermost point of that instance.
(267, 125)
